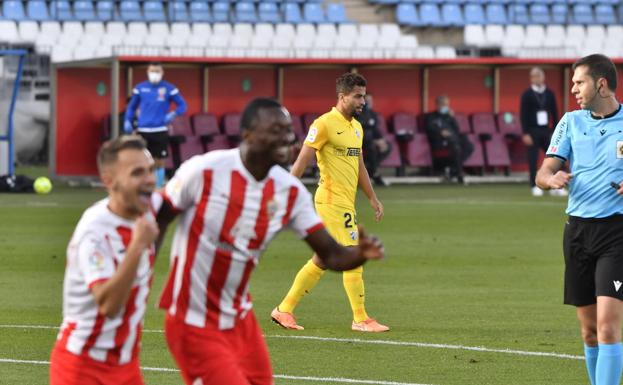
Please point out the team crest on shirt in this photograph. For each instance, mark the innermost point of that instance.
(311, 135)
(271, 208)
(357, 134)
(96, 260)
(619, 149)
(162, 91)
(353, 235)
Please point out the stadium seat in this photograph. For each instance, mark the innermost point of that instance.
(245, 12)
(418, 152)
(451, 15)
(218, 142)
(336, 13)
(560, 13)
(496, 14)
(494, 35)
(595, 37)
(309, 118)
(554, 36)
(496, 152)
(404, 124)
(130, 11)
(225, 29)
(382, 125)
(539, 13)
(178, 11)
(231, 126)
(153, 11)
(518, 14)
(181, 127)
(313, 13)
(9, 32)
(393, 160)
(200, 12)
(50, 29)
(509, 124)
(220, 12)
(406, 48)
(429, 15)
(474, 35)
(105, 10)
(61, 10)
(83, 52)
(576, 35)
(265, 29)
(28, 31)
(84, 10)
(292, 13)
(582, 14)
(159, 29)
(463, 122)
(604, 14)
(440, 52)
(13, 10)
(205, 126)
(138, 28)
(474, 14)
(476, 159)
(268, 13)
(534, 37)
(61, 53)
(37, 10)
(483, 123)
(190, 147)
(406, 14)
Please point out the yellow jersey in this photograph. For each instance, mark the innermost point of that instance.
(338, 146)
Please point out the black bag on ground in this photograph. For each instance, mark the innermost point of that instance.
(16, 184)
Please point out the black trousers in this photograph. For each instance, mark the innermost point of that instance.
(460, 149)
(372, 157)
(540, 141)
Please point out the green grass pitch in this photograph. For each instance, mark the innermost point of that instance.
(475, 266)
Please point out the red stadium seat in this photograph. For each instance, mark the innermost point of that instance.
(309, 118)
(463, 123)
(418, 152)
(404, 124)
(231, 126)
(219, 142)
(483, 123)
(192, 146)
(496, 152)
(477, 158)
(509, 124)
(298, 128)
(382, 124)
(393, 160)
(205, 125)
(181, 126)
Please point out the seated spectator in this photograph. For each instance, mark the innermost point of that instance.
(443, 134)
(375, 147)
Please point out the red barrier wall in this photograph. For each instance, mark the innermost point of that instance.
(395, 89)
(230, 89)
(310, 89)
(469, 89)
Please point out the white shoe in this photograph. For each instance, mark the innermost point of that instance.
(559, 192)
(537, 192)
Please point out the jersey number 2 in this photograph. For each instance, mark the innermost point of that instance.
(349, 220)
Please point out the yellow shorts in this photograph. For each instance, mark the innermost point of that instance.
(340, 222)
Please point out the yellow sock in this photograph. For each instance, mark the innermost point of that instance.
(305, 280)
(353, 284)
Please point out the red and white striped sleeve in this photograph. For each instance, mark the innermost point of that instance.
(303, 217)
(182, 191)
(95, 259)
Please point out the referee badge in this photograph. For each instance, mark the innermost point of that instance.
(619, 149)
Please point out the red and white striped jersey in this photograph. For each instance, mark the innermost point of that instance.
(97, 247)
(227, 219)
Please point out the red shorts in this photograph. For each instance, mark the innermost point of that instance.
(67, 368)
(236, 356)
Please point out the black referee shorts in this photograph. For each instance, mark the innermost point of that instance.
(157, 143)
(593, 250)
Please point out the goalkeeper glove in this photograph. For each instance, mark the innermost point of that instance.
(170, 116)
(127, 127)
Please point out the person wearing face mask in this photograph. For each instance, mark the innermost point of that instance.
(591, 139)
(537, 112)
(153, 99)
(443, 133)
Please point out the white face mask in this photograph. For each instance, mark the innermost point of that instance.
(444, 109)
(154, 77)
(538, 89)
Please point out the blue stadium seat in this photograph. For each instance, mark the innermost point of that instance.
(61, 10)
(518, 14)
(336, 13)
(13, 10)
(496, 14)
(292, 13)
(560, 13)
(200, 12)
(582, 14)
(245, 12)
(220, 12)
(406, 14)
(451, 15)
(83, 10)
(105, 10)
(153, 11)
(539, 14)
(474, 14)
(385, 2)
(429, 15)
(130, 11)
(313, 13)
(604, 14)
(178, 11)
(268, 13)
(37, 10)
(620, 12)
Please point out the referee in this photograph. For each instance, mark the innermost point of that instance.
(592, 140)
(153, 98)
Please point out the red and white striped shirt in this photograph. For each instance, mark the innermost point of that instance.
(97, 247)
(227, 219)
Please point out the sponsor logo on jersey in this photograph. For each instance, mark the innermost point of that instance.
(271, 208)
(553, 149)
(617, 285)
(348, 151)
(619, 149)
(311, 135)
(96, 261)
(162, 91)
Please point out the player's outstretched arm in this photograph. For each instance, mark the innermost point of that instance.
(305, 157)
(550, 175)
(112, 294)
(339, 258)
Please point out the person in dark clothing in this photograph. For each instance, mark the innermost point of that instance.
(375, 147)
(443, 133)
(537, 112)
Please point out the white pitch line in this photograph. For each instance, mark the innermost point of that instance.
(374, 342)
(280, 376)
